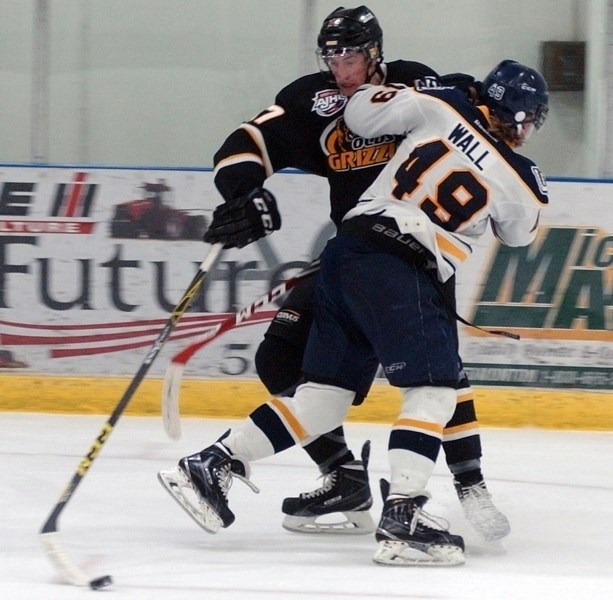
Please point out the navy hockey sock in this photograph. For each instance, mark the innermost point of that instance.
(330, 450)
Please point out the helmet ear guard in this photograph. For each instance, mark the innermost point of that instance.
(516, 94)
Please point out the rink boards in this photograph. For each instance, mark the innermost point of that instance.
(89, 273)
(496, 407)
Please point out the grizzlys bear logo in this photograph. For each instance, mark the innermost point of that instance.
(328, 102)
(340, 138)
(347, 151)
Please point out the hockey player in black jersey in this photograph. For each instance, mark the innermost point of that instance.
(305, 129)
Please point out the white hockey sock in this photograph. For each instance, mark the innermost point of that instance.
(416, 437)
(313, 410)
(248, 442)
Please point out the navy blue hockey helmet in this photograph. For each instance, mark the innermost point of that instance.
(350, 29)
(516, 94)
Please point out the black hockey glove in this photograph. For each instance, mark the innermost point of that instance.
(239, 222)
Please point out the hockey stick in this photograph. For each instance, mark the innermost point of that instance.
(174, 372)
(50, 531)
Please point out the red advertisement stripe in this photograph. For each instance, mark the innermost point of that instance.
(262, 317)
(208, 318)
(42, 340)
(76, 192)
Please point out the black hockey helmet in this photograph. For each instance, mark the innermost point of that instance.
(350, 29)
(516, 94)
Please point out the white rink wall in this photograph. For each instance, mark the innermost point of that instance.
(162, 82)
(85, 289)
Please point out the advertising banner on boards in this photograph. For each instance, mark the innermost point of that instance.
(92, 261)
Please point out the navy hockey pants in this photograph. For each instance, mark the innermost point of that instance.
(371, 304)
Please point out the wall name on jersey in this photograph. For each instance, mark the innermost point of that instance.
(472, 148)
(327, 103)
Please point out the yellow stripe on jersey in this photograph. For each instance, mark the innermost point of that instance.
(289, 418)
(256, 136)
(419, 426)
(450, 249)
(238, 158)
(484, 110)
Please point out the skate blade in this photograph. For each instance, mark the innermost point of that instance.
(355, 523)
(174, 482)
(401, 554)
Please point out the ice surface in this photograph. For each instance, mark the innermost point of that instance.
(555, 487)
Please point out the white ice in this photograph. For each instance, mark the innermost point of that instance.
(555, 487)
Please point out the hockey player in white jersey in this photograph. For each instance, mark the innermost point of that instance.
(379, 296)
(456, 164)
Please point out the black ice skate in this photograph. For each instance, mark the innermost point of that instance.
(408, 536)
(345, 494)
(209, 475)
(481, 512)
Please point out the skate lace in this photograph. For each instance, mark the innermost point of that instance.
(428, 521)
(478, 494)
(225, 475)
(329, 480)
(224, 479)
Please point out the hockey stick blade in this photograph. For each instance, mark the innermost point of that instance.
(174, 373)
(49, 533)
(69, 571)
(170, 408)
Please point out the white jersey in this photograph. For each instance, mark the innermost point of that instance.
(448, 168)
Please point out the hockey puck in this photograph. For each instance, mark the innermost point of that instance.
(101, 582)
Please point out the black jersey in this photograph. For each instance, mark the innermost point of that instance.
(305, 130)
